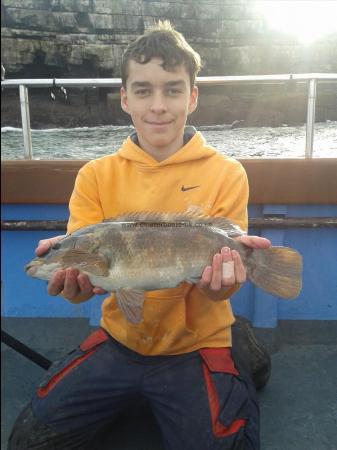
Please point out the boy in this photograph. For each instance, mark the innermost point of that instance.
(179, 356)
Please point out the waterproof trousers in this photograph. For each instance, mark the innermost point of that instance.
(201, 400)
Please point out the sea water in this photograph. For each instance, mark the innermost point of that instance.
(251, 142)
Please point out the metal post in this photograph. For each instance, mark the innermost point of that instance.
(27, 137)
(309, 140)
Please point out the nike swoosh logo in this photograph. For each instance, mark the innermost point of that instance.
(183, 188)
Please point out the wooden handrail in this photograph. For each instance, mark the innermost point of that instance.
(272, 181)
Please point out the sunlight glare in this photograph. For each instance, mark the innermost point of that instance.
(309, 20)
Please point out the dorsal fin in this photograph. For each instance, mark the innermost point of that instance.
(148, 216)
(188, 218)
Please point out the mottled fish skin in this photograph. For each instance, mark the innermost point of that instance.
(151, 251)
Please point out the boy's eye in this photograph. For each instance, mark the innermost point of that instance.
(174, 91)
(142, 92)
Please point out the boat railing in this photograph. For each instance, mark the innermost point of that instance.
(311, 79)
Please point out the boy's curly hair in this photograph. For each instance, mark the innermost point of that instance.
(162, 41)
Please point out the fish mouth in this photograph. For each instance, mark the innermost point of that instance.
(32, 267)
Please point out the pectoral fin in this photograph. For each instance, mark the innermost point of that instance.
(131, 303)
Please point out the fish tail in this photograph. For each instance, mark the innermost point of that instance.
(276, 270)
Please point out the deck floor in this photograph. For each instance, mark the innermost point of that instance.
(298, 406)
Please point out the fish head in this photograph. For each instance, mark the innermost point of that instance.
(43, 267)
(79, 252)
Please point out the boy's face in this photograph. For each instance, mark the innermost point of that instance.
(158, 102)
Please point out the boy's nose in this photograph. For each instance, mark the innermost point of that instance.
(158, 104)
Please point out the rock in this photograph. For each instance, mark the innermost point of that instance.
(86, 39)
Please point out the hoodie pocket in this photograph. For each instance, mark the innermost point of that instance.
(61, 368)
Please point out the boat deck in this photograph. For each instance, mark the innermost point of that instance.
(298, 405)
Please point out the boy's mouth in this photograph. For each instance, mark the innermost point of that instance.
(158, 124)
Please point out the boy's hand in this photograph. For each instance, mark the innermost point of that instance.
(74, 286)
(227, 268)
(45, 244)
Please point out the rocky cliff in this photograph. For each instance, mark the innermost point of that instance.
(85, 38)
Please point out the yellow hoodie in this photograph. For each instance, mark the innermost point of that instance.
(175, 320)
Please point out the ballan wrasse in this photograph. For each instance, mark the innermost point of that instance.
(148, 251)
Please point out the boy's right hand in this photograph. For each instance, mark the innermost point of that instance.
(74, 286)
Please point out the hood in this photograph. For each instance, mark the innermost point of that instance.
(195, 148)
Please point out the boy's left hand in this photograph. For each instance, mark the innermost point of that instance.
(217, 279)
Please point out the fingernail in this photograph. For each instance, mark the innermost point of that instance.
(218, 257)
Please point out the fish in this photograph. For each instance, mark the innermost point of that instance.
(134, 253)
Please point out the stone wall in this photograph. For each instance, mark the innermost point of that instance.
(85, 38)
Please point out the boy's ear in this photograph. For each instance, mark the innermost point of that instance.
(124, 100)
(193, 103)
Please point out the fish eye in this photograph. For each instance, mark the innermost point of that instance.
(56, 246)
